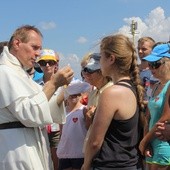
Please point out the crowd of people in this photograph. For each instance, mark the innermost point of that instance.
(117, 117)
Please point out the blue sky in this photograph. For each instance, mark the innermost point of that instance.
(74, 27)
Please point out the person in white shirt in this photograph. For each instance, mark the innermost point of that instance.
(74, 130)
(26, 107)
(49, 64)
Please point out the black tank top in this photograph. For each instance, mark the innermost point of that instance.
(119, 149)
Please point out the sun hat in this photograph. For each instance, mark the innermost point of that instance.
(160, 51)
(94, 62)
(47, 54)
(76, 86)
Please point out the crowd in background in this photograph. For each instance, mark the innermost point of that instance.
(116, 117)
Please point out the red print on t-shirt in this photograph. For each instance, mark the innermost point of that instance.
(75, 119)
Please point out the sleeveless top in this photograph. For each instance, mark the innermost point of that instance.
(161, 149)
(119, 149)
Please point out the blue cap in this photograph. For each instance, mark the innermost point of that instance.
(160, 51)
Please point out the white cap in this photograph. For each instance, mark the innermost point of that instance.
(76, 86)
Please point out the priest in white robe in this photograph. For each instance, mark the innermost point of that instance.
(25, 108)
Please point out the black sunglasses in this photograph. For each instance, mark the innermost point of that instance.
(88, 70)
(74, 96)
(155, 64)
(44, 62)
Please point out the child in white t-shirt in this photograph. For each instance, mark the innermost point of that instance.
(74, 130)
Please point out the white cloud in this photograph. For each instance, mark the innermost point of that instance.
(155, 25)
(82, 40)
(74, 61)
(47, 25)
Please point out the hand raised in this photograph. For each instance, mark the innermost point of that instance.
(63, 76)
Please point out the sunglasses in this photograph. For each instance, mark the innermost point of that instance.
(156, 64)
(44, 62)
(88, 70)
(74, 96)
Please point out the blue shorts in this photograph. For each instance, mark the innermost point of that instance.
(75, 163)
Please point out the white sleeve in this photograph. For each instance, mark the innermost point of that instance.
(57, 111)
(32, 111)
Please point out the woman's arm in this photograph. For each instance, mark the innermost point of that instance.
(144, 142)
(103, 116)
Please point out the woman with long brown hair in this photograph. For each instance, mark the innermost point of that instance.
(114, 135)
